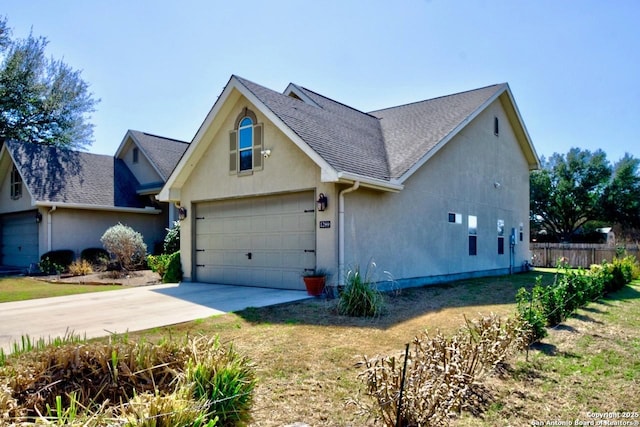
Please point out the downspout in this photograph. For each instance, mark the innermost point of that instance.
(49, 228)
(341, 236)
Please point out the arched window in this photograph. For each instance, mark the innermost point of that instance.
(245, 144)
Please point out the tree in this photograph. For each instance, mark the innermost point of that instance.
(568, 191)
(622, 196)
(41, 100)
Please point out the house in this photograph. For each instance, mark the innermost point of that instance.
(276, 184)
(53, 198)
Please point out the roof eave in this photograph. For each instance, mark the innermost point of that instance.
(83, 206)
(373, 183)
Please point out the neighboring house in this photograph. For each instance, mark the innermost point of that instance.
(53, 198)
(429, 191)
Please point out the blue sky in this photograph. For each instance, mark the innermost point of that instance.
(158, 66)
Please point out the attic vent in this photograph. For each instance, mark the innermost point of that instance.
(293, 95)
(136, 155)
(496, 126)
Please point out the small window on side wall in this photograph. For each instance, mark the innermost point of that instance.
(496, 126)
(473, 235)
(136, 155)
(500, 237)
(455, 218)
(16, 184)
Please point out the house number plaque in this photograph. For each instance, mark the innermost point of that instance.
(325, 224)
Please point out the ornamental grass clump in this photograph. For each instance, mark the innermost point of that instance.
(442, 375)
(194, 383)
(360, 297)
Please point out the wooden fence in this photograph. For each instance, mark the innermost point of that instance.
(577, 254)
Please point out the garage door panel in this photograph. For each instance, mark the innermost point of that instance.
(276, 230)
(19, 239)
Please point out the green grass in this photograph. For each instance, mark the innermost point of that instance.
(24, 288)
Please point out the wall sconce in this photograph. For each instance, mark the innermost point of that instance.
(322, 202)
(266, 153)
(38, 217)
(182, 213)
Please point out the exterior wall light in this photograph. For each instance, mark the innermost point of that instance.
(322, 202)
(38, 217)
(182, 213)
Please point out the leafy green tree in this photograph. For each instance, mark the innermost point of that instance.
(622, 196)
(42, 100)
(568, 191)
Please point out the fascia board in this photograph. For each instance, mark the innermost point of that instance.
(523, 127)
(167, 190)
(293, 88)
(82, 206)
(450, 136)
(365, 181)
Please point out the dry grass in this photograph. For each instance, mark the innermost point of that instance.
(305, 354)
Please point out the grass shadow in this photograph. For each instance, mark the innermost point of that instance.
(405, 304)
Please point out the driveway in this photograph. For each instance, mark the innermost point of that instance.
(102, 313)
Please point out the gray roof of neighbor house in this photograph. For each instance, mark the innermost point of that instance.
(383, 144)
(59, 175)
(164, 153)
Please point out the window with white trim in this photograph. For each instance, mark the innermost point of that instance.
(500, 237)
(473, 235)
(16, 184)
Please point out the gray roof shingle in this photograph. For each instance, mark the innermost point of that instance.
(57, 175)
(165, 153)
(383, 144)
(410, 131)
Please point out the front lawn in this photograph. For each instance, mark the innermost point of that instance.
(25, 288)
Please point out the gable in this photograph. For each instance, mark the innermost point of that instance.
(381, 149)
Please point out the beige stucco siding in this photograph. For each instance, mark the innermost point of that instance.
(78, 229)
(287, 169)
(476, 173)
(7, 204)
(143, 170)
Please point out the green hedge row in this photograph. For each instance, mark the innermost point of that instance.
(547, 306)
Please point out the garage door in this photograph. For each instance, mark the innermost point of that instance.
(19, 239)
(259, 241)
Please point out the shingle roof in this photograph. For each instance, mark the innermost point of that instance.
(349, 140)
(165, 153)
(383, 144)
(55, 174)
(410, 131)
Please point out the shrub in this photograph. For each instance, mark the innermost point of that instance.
(97, 257)
(172, 239)
(442, 373)
(56, 261)
(80, 268)
(360, 297)
(168, 266)
(174, 269)
(126, 245)
(530, 312)
(158, 263)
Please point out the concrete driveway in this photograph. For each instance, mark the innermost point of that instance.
(102, 313)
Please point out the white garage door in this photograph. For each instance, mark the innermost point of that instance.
(259, 241)
(19, 239)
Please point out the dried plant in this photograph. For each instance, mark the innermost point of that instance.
(442, 373)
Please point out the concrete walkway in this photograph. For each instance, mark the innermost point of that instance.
(102, 313)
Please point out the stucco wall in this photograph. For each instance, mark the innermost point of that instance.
(142, 170)
(288, 169)
(408, 233)
(7, 204)
(77, 229)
